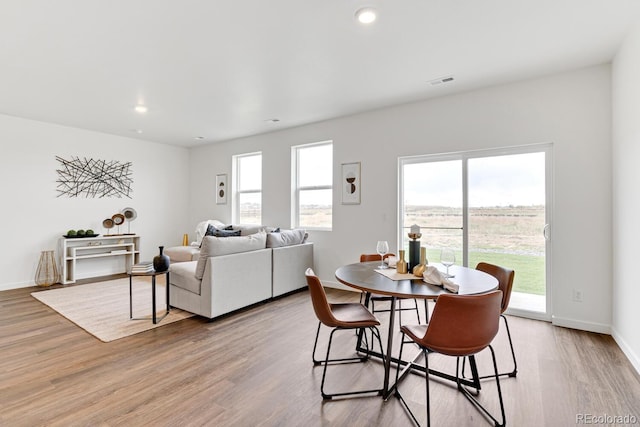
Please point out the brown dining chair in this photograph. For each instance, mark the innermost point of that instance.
(505, 278)
(340, 316)
(460, 326)
(383, 298)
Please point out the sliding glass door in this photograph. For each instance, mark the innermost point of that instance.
(487, 206)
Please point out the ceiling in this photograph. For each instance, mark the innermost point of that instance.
(223, 69)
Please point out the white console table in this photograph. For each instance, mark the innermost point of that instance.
(79, 249)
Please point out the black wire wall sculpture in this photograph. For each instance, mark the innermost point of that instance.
(92, 178)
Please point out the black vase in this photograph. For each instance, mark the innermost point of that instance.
(160, 262)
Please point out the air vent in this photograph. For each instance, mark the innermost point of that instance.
(441, 80)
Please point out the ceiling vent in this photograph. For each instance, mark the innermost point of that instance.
(441, 80)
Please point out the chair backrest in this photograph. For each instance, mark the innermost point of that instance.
(462, 325)
(505, 280)
(319, 299)
(373, 257)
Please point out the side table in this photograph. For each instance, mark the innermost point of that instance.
(153, 275)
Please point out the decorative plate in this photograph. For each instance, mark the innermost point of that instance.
(118, 219)
(107, 223)
(66, 236)
(129, 214)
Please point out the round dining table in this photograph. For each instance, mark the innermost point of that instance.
(366, 277)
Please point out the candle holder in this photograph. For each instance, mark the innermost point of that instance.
(414, 246)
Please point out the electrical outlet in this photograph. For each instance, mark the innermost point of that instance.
(577, 295)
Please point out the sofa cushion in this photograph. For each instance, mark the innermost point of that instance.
(182, 253)
(182, 276)
(286, 238)
(216, 246)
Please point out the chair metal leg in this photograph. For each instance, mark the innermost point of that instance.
(317, 362)
(400, 309)
(473, 400)
(406, 370)
(426, 367)
(511, 374)
(513, 353)
(327, 361)
(315, 344)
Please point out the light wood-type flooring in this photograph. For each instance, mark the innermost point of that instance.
(254, 368)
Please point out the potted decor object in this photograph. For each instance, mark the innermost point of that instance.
(160, 261)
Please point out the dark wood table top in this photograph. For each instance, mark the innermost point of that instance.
(362, 276)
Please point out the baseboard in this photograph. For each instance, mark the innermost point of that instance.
(337, 285)
(528, 314)
(627, 350)
(16, 285)
(599, 328)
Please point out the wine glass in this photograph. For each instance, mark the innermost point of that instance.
(382, 248)
(447, 258)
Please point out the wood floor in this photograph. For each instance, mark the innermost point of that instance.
(254, 369)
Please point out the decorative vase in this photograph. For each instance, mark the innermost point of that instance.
(185, 240)
(401, 265)
(47, 272)
(160, 262)
(419, 269)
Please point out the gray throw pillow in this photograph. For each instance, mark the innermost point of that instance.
(286, 238)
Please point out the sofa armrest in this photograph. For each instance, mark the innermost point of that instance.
(289, 265)
(235, 281)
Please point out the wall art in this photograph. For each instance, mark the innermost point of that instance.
(351, 183)
(221, 189)
(93, 178)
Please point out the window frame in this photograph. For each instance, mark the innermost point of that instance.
(237, 192)
(296, 188)
(464, 157)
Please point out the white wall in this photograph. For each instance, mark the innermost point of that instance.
(626, 196)
(33, 218)
(571, 110)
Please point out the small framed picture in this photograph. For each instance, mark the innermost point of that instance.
(351, 183)
(221, 189)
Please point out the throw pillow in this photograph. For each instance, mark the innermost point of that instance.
(286, 238)
(217, 246)
(214, 231)
(201, 229)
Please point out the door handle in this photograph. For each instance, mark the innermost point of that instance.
(545, 231)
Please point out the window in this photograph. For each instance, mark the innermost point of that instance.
(312, 179)
(490, 206)
(247, 201)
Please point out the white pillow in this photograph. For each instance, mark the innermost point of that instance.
(201, 229)
(286, 238)
(217, 246)
(247, 229)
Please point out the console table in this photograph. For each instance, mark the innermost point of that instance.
(83, 249)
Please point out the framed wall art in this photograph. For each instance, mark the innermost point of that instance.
(93, 178)
(351, 183)
(221, 189)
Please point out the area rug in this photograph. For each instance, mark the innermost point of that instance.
(102, 308)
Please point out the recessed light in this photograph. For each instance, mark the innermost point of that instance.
(141, 108)
(198, 138)
(272, 121)
(366, 15)
(136, 130)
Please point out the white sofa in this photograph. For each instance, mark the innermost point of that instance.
(237, 272)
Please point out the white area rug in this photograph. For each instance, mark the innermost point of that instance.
(102, 308)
